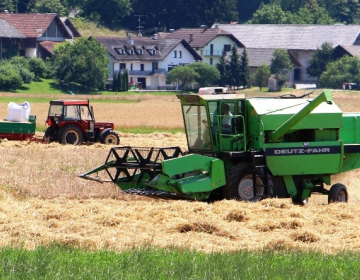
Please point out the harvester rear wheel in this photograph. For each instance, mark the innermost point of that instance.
(239, 184)
(110, 138)
(70, 134)
(338, 193)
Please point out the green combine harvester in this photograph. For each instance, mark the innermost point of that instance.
(281, 147)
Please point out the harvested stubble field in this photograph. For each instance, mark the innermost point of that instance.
(42, 201)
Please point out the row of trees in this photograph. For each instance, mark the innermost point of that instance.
(154, 15)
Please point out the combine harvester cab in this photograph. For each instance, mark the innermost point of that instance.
(252, 148)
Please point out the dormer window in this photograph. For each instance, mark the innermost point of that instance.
(132, 51)
(154, 51)
(120, 51)
(141, 51)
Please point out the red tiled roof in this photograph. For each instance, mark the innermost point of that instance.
(48, 45)
(30, 25)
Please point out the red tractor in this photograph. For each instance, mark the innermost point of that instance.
(73, 122)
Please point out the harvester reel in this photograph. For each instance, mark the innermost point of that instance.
(134, 164)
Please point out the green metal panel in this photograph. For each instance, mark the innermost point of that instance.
(350, 131)
(304, 158)
(207, 174)
(19, 127)
(275, 112)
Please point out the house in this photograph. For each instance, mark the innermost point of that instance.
(209, 43)
(148, 60)
(37, 29)
(300, 40)
(8, 34)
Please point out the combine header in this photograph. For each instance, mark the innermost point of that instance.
(246, 149)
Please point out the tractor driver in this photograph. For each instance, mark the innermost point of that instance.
(226, 122)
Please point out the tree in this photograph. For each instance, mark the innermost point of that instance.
(280, 61)
(346, 69)
(234, 67)
(262, 75)
(270, 14)
(206, 74)
(182, 75)
(47, 6)
(312, 13)
(82, 62)
(38, 67)
(244, 69)
(320, 59)
(10, 78)
(223, 70)
(281, 65)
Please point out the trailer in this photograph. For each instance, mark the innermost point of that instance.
(18, 131)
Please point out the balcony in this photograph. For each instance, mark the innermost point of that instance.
(156, 72)
(213, 53)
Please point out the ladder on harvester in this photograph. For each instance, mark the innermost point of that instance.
(260, 175)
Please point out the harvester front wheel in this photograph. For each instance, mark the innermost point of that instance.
(338, 193)
(240, 185)
(110, 138)
(70, 134)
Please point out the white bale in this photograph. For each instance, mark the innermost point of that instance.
(18, 112)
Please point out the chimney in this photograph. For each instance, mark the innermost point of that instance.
(130, 40)
(191, 37)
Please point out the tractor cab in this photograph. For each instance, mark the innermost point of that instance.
(214, 123)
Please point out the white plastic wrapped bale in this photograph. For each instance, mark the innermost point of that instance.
(18, 112)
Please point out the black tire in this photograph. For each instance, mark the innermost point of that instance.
(239, 184)
(338, 193)
(70, 134)
(50, 134)
(110, 137)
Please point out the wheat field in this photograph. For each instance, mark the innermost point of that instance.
(43, 201)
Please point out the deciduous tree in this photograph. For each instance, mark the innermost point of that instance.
(82, 62)
(182, 76)
(206, 74)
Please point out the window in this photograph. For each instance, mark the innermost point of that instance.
(211, 61)
(227, 48)
(154, 51)
(155, 65)
(175, 54)
(211, 49)
(142, 67)
(122, 66)
(180, 54)
(132, 51)
(131, 67)
(141, 51)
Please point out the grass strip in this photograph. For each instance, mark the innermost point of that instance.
(58, 262)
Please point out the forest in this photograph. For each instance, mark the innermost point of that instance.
(150, 16)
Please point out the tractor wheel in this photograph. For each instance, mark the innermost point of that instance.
(239, 184)
(70, 134)
(50, 134)
(110, 137)
(338, 193)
